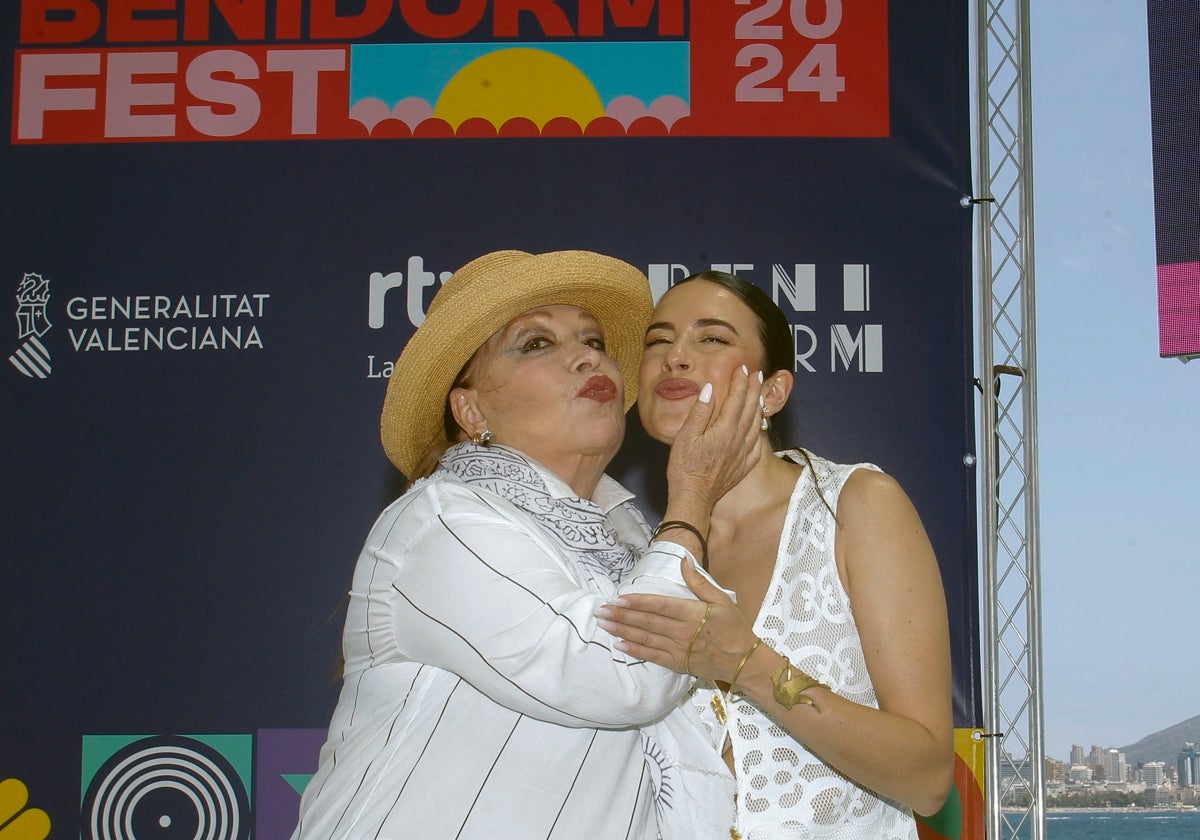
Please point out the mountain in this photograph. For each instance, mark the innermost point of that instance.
(1163, 745)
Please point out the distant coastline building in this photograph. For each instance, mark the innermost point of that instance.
(1079, 774)
(1095, 760)
(1188, 766)
(1115, 767)
(1076, 754)
(1016, 779)
(1154, 774)
(1166, 782)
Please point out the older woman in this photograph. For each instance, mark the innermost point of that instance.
(480, 699)
(828, 686)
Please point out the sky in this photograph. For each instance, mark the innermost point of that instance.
(1118, 436)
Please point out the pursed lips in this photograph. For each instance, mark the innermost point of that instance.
(599, 388)
(676, 389)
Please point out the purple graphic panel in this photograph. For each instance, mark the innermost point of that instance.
(286, 760)
(1174, 51)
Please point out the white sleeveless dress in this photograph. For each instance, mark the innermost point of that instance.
(784, 792)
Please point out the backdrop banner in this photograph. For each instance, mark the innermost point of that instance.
(224, 220)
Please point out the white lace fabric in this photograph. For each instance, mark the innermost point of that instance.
(783, 790)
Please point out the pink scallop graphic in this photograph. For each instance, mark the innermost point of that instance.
(629, 109)
(669, 109)
(412, 111)
(625, 109)
(413, 117)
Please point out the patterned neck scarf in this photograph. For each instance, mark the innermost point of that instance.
(578, 525)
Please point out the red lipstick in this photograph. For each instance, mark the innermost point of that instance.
(598, 388)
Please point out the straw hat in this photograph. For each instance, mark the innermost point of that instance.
(483, 296)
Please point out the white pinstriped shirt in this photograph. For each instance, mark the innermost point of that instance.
(480, 698)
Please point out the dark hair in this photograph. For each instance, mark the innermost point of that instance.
(779, 348)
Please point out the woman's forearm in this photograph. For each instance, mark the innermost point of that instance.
(890, 754)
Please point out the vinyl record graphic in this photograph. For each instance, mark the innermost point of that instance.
(166, 788)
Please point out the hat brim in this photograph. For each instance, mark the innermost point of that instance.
(478, 300)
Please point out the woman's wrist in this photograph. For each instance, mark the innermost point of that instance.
(789, 686)
(689, 507)
(683, 525)
(696, 542)
(754, 681)
(737, 672)
(770, 677)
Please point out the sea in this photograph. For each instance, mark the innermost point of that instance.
(1120, 825)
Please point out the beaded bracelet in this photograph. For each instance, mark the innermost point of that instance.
(686, 526)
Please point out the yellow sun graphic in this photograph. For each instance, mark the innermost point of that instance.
(519, 82)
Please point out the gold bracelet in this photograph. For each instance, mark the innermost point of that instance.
(789, 691)
(687, 657)
(741, 665)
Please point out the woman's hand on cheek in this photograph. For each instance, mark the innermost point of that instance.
(717, 446)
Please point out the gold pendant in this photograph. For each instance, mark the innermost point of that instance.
(718, 708)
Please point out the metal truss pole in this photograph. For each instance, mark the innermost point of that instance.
(1015, 786)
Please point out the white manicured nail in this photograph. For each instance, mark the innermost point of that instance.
(706, 393)
(760, 377)
(745, 370)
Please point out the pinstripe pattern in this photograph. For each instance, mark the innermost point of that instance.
(480, 699)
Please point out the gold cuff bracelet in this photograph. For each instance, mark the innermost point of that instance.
(790, 684)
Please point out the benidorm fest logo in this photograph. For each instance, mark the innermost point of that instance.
(485, 68)
(32, 358)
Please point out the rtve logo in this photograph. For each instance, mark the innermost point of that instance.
(851, 348)
(419, 279)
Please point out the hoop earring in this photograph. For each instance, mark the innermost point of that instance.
(483, 438)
